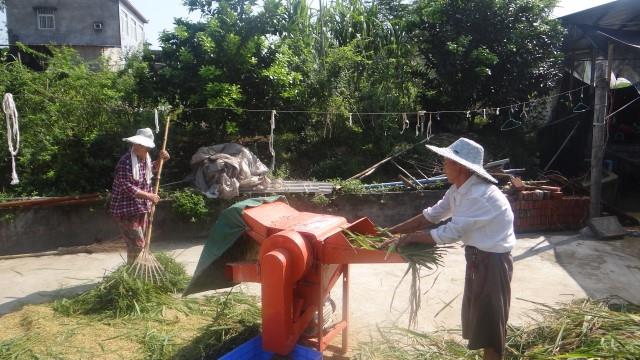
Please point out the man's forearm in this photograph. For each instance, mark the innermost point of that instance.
(416, 223)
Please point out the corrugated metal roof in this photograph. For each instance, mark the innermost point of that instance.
(617, 15)
(618, 21)
(294, 186)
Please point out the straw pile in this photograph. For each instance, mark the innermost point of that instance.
(419, 257)
(208, 328)
(122, 294)
(585, 329)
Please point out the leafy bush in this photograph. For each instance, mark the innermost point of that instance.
(189, 204)
(320, 199)
(354, 186)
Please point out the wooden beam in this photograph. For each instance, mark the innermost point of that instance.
(598, 138)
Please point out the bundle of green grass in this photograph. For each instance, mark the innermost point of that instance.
(418, 256)
(122, 294)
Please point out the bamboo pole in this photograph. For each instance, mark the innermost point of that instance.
(157, 184)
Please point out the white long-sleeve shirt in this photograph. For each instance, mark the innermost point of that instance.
(480, 216)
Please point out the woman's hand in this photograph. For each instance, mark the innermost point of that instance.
(154, 198)
(164, 155)
(149, 196)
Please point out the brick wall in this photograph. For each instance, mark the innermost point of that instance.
(567, 213)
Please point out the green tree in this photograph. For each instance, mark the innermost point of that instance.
(486, 53)
(72, 118)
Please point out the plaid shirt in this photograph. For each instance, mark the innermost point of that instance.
(123, 200)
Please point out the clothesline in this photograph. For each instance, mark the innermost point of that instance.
(484, 110)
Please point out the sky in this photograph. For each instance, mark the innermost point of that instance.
(161, 16)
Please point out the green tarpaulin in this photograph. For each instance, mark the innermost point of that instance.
(226, 244)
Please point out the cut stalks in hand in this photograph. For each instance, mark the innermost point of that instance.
(418, 256)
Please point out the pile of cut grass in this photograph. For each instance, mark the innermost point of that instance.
(122, 294)
(582, 329)
(585, 329)
(205, 328)
(235, 319)
(125, 317)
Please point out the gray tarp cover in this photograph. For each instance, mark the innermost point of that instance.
(222, 170)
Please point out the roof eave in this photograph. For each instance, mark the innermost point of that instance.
(133, 9)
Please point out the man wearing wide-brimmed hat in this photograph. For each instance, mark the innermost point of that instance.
(131, 194)
(481, 218)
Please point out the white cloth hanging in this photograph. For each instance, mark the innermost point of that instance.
(405, 123)
(135, 167)
(271, 150)
(429, 127)
(13, 133)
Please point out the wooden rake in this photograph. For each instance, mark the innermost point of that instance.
(146, 266)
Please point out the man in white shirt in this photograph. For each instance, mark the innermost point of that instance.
(481, 218)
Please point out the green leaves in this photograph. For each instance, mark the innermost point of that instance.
(72, 117)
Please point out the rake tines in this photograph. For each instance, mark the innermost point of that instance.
(147, 267)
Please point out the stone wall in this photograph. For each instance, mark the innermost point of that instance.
(36, 229)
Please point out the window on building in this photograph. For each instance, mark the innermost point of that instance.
(46, 18)
(141, 30)
(134, 29)
(123, 21)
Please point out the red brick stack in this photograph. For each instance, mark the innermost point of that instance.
(541, 207)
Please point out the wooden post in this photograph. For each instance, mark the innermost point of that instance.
(598, 142)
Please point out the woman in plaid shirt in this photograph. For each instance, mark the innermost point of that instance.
(131, 194)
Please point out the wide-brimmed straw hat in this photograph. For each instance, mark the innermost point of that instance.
(467, 153)
(142, 137)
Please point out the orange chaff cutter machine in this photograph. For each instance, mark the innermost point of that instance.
(302, 256)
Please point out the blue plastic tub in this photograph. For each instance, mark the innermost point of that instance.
(252, 350)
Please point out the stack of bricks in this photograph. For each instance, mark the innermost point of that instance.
(547, 209)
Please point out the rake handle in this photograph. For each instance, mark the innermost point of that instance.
(156, 187)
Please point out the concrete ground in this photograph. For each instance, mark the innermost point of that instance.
(549, 268)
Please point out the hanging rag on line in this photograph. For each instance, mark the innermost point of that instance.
(271, 150)
(327, 125)
(429, 135)
(13, 133)
(405, 123)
